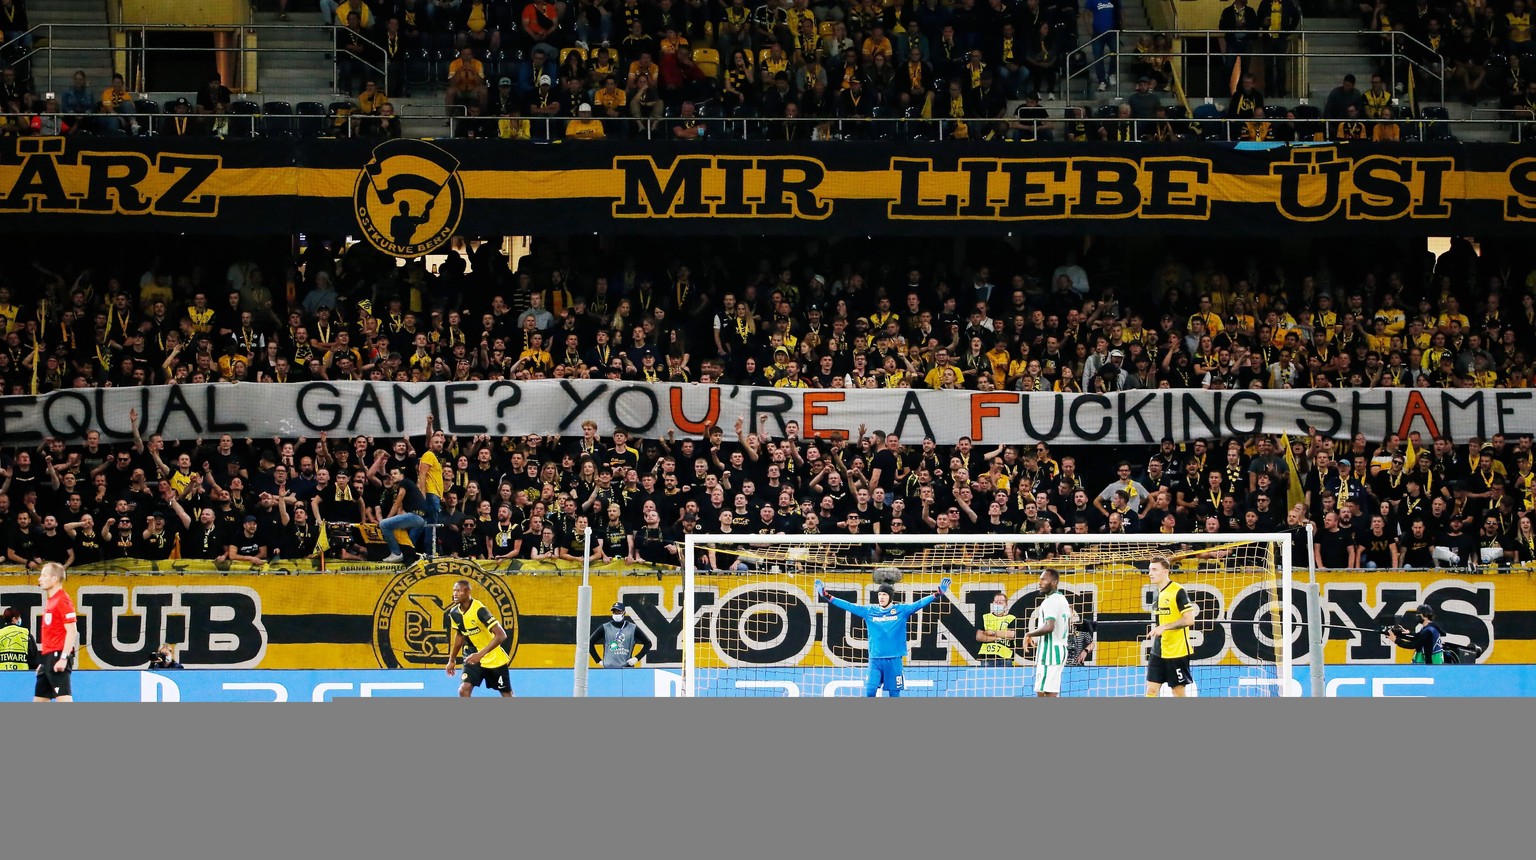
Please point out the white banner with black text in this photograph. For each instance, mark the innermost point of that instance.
(652, 410)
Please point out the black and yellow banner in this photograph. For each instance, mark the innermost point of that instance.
(408, 196)
(388, 617)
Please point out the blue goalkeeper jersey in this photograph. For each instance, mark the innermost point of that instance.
(887, 627)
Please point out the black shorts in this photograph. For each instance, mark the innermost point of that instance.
(1173, 671)
(496, 679)
(51, 684)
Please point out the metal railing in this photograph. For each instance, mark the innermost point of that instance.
(114, 124)
(1396, 47)
(818, 129)
(1520, 123)
(124, 56)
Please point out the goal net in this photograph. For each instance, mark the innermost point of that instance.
(757, 627)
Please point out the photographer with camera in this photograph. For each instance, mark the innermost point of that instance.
(164, 658)
(1427, 642)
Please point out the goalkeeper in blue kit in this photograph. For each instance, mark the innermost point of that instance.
(887, 625)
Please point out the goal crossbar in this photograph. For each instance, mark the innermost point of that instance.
(692, 542)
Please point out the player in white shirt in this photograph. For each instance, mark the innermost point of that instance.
(1054, 630)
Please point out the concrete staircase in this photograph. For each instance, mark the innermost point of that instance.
(1334, 36)
(1082, 90)
(66, 50)
(1133, 16)
(425, 113)
(295, 62)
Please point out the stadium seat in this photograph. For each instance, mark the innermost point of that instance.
(1177, 115)
(341, 114)
(418, 67)
(1107, 111)
(566, 52)
(149, 114)
(825, 28)
(250, 122)
(1275, 113)
(1436, 125)
(708, 60)
(496, 65)
(441, 60)
(312, 119)
(279, 119)
(1209, 124)
(1309, 123)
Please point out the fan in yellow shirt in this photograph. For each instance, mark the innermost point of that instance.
(1378, 340)
(610, 97)
(365, 15)
(999, 359)
(1445, 320)
(584, 127)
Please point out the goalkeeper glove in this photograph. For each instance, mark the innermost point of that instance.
(821, 589)
(944, 584)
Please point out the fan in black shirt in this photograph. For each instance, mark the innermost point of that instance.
(1334, 544)
(203, 539)
(1416, 546)
(22, 477)
(53, 543)
(1378, 545)
(300, 533)
(88, 544)
(655, 544)
(21, 542)
(157, 541)
(1455, 547)
(247, 545)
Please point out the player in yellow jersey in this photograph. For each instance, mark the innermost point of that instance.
(1168, 662)
(475, 627)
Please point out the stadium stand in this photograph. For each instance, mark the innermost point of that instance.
(1111, 315)
(776, 313)
(1431, 57)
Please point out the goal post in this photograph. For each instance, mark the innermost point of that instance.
(753, 624)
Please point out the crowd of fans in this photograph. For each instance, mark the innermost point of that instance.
(948, 69)
(524, 70)
(929, 69)
(1483, 50)
(1060, 317)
